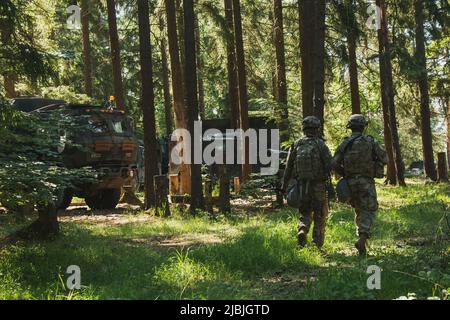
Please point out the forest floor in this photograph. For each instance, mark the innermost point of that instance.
(250, 254)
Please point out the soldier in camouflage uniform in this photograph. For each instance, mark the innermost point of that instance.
(360, 159)
(309, 163)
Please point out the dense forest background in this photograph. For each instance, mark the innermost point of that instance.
(41, 55)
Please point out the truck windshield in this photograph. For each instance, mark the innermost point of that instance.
(120, 126)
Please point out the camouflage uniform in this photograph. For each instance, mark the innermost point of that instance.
(361, 182)
(314, 204)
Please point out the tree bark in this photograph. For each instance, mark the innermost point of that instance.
(306, 24)
(395, 164)
(177, 80)
(319, 59)
(442, 167)
(233, 93)
(180, 26)
(166, 83)
(192, 100)
(115, 55)
(242, 87)
(400, 166)
(280, 75)
(201, 86)
(353, 70)
(425, 114)
(147, 102)
(87, 68)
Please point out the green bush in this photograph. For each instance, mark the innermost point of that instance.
(31, 169)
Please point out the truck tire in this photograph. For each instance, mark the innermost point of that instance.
(105, 199)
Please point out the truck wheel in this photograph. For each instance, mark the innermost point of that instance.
(104, 199)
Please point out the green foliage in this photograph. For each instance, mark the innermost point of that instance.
(65, 93)
(19, 54)
(31, 169)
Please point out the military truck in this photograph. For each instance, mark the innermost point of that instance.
(107, 144)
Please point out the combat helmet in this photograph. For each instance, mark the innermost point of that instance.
(311, 122)
(357, 121)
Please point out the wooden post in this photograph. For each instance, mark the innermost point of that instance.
(224, 198)
(161, 184)
(237, 185)
(442, 167)
(208, 196)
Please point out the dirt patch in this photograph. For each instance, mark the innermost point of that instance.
(178, 241)
(286, 283)
(124, 214)
(246, 205)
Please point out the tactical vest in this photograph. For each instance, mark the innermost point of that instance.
(308, 164)
(359, 157)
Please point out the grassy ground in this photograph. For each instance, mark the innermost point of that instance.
(125, 255)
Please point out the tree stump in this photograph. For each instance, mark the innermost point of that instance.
(442, 167)
(44, 228)
(161, 184)
(224, 198)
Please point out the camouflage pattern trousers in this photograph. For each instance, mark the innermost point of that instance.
(364, 200)
(313, 208)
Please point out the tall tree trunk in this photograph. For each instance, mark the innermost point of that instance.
(192, 100)
(400, 166)
(233, 93)
(389, 102)
(319, 59)
(181, 114)
(87, 69)
(180, 26)
(166, 83)
(281, 83)
(425, 114)
(201, 86)
(147, 102)
(391, 167)
(115, 55)
(177, 75)
(306, 24)
(353, 70)
(242, 87)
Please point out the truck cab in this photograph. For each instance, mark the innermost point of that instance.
(105, 142)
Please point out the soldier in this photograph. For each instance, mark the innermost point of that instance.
(309, 163)
(360, 159)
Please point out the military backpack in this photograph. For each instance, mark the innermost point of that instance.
(308, 163)
(360, 158)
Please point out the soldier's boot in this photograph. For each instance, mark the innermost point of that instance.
(360, 245)
(302, 238)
